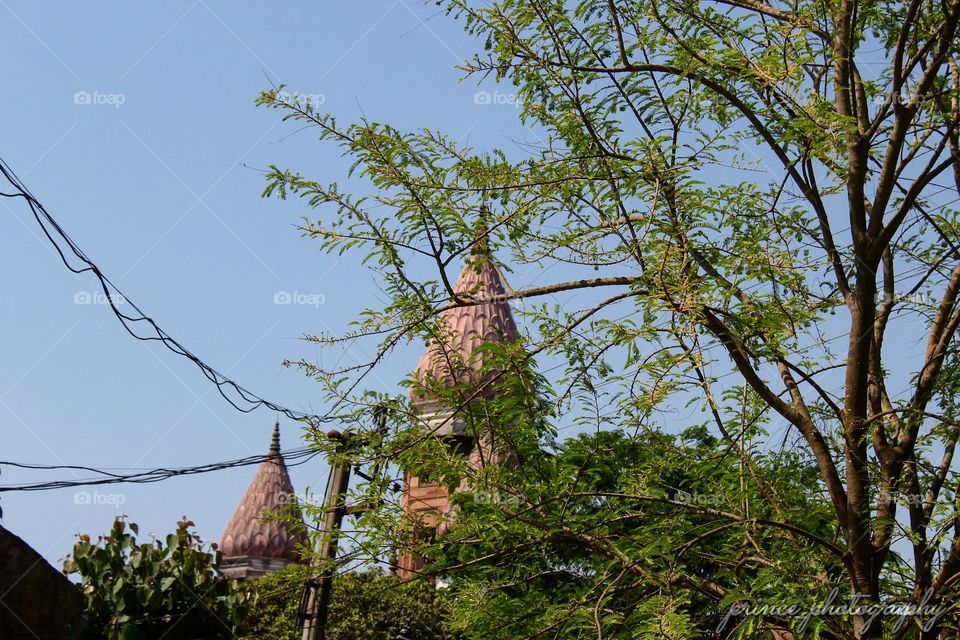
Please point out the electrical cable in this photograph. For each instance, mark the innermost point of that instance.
(300, 456)
(245, 400)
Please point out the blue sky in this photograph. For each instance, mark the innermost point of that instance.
(134, 123)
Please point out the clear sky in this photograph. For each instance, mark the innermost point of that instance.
(134, 123)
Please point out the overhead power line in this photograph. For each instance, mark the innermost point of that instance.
(138, 324)
(298, 456)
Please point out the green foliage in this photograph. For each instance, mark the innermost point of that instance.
(274, 610)
(523, 563)
(747, 198)
(149, 590)
(363, 606)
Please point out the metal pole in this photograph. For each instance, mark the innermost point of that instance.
(317, 590)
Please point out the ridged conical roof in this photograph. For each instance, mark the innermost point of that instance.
(465, 328)
(250, 535)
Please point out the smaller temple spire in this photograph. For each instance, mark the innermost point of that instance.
(275, 442)
(255, 542)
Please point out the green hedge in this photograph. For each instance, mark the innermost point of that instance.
(363, 606)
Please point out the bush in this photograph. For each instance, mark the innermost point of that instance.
(363, 606)
(144, 591)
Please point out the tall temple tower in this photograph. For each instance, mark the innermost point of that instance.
(253, 545)
(456, 360)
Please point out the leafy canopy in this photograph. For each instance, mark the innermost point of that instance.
(754, 202)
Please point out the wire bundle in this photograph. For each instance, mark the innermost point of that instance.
(139, 325)
(104, 476)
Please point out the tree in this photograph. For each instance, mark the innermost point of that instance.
(363, 606)
(750, 198)
(149, 591)
(548, 567)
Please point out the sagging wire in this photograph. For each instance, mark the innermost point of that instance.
(243, 399)
(298, 456)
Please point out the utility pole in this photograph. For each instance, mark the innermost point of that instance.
(316, 591)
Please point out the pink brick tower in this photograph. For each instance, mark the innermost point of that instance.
(456, 361)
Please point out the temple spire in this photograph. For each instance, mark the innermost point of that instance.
(255, 543)
(457, 358)
(457, 355)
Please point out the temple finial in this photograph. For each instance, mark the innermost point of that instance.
(275, 443)
(481, 234)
